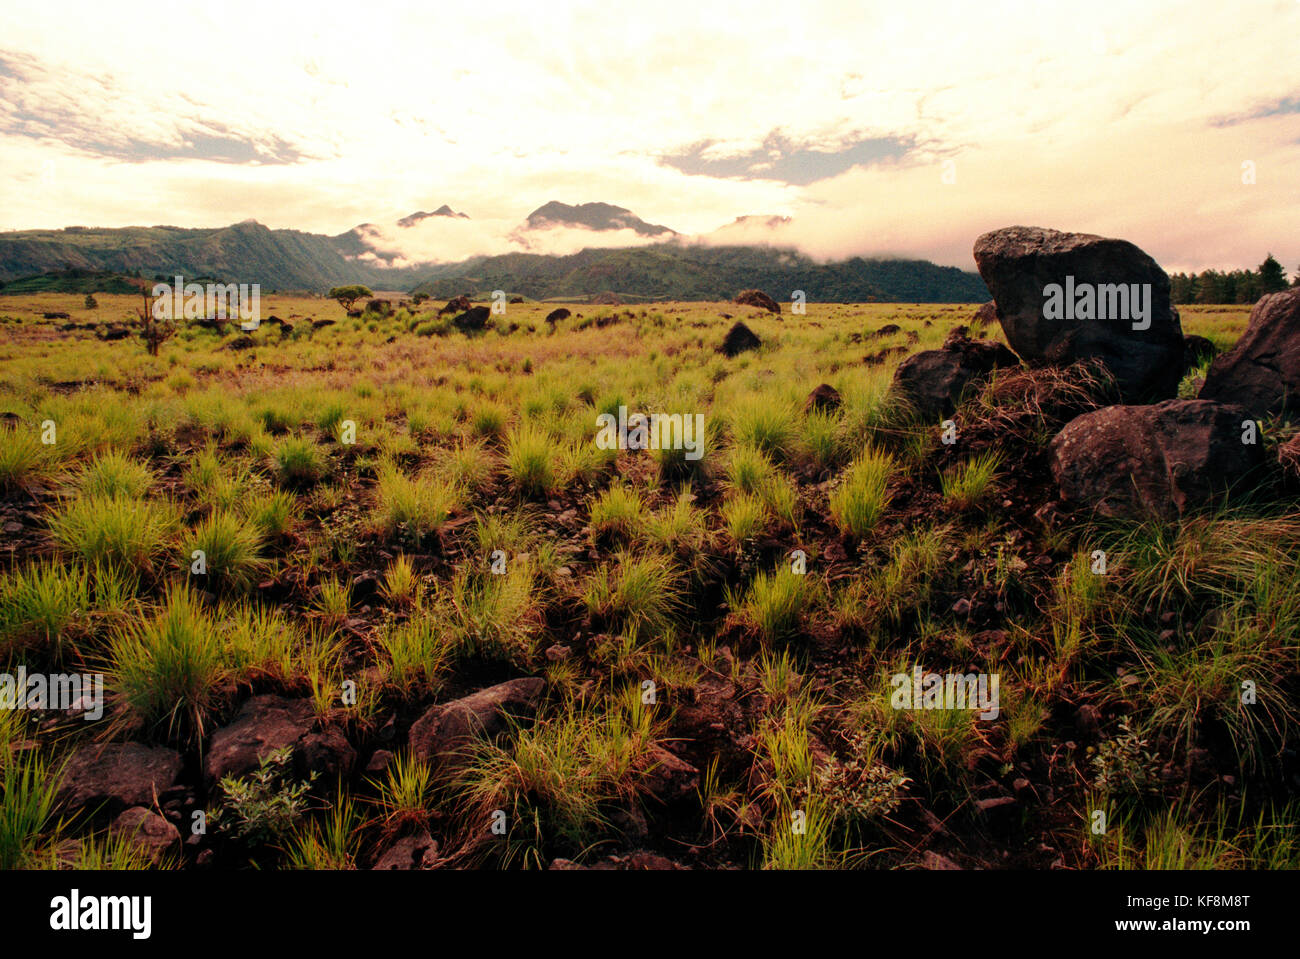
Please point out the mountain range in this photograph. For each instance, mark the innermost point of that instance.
(668, 266)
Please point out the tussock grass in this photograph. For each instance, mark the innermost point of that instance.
(858, 503)
(115, 530)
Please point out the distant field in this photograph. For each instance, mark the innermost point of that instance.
(701, 693)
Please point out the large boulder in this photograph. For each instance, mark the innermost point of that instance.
(739, 339)
(933, 381)
(757, 298)
(267, 723)
(115, 776)
(555, 316)
(1154, 461)
(472, 321)
(1262, 372)
(445, 728)
(1062, 297)
(157, 838)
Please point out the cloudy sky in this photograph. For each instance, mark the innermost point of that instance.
(878, 127)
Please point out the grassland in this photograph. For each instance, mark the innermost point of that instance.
(369, 565)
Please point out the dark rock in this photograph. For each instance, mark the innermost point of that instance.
(516, 299)
(57, 316)
(1161, 460)
(263, 725)
(417, 851)
(114, 333)
(934, 861)
(757, 298)
(1262, 372)
(446, 727)
(473, 320)
(381, 307)
(144, 827)
(668, 777)
(739, 339)
(1019, 264)
(825, 398)
(459, 304)
(241, 343)
(889, 329)
(378, 763)
(117, 775)
(556, 315)
(934, 381)
(326, 753)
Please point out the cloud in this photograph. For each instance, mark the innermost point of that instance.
(1132, 119)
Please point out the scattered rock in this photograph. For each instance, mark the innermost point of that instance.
(415, 851)
(56, 316)
(459, 304)
(241, 343)
(556, 315)
(473, 320)
(515, 299)
(933, 860)
(111, 333)
(445, 727)
(146, 828)
(824, 398)
(263, 725)
(1160, 460)
(1020, 263)
(933, 381)
(739, 339)
(889, 329)
(1262, 372)
(757, 298)
(669, 777)
(115, 776)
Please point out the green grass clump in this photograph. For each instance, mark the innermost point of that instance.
(413, 507)
(165, 668)
(113, 474)
(115, 531)
(860, 500)
(776, 603)
(967, 485)
(529, 462)
(299, 462)
(232, 550)
(617, 515)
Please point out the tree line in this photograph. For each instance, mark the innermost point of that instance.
(1235, 286)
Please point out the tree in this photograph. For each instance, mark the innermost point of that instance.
(91, 303)
(1272, 278)
(154, 330)
(347, 295)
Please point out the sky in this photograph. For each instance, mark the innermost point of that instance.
(878, 128)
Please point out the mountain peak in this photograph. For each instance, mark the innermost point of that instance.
(443, 210)
(593, 216)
